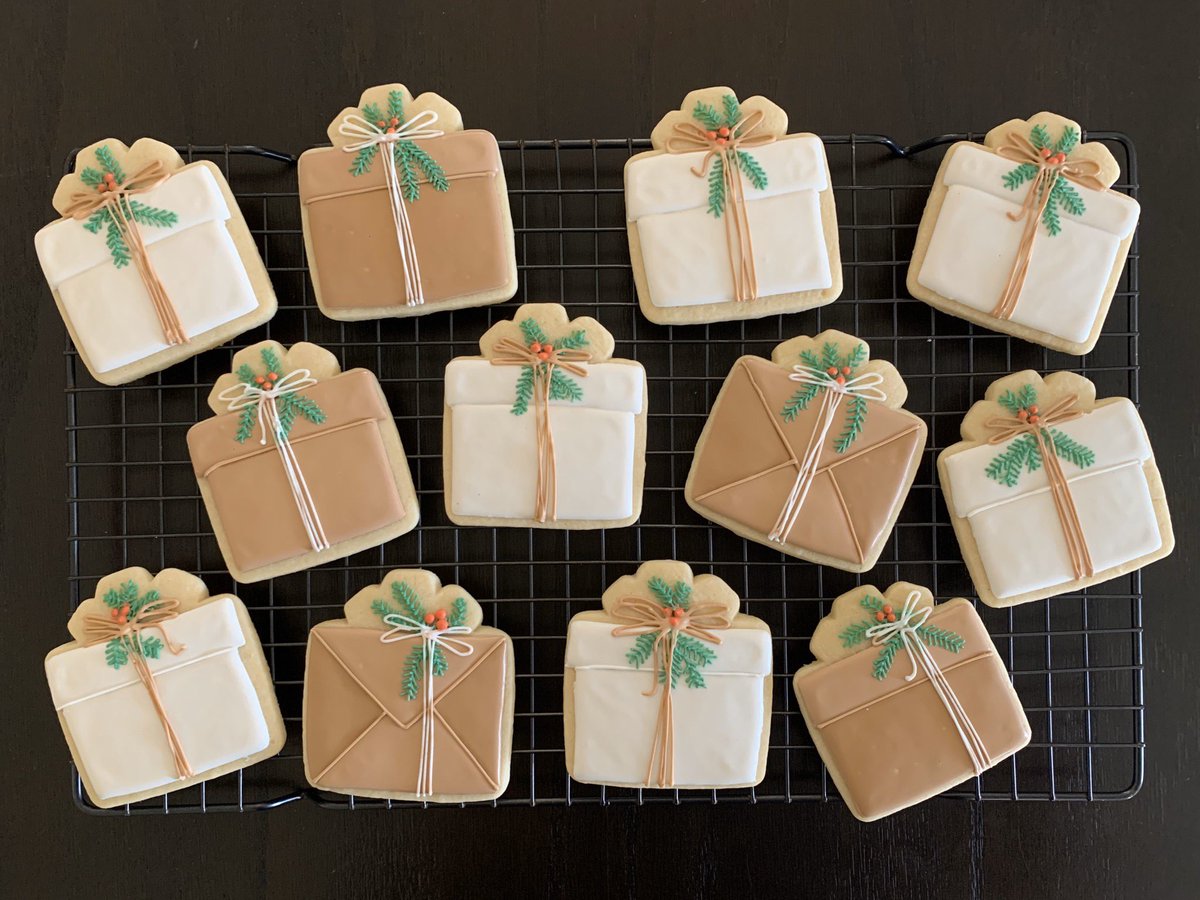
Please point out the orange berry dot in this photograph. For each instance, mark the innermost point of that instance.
(536, 346)
(891, 617)
(113, 613)
(1035, 419)
(841, 379)
(1045, 151)
(381, 122)
(1033, 408)
(878, 617)
(1022, 414)
(832, 370)
(440, 614)
(391, 129)
(428, 618)
(677, 611)
(887, 609)
(723, 131)
(109, 176)
(441, 625)
(273, 376)
(259, 379)
(393, 121)
(710, 134)
(549, 348)
(845, 370)
(721, 141)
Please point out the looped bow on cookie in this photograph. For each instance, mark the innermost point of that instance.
(688, 137)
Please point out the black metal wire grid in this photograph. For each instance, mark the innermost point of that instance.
(1076, 661)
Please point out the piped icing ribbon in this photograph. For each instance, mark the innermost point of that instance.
(242, 395)
(1018, 148)
(688, 137)
(1037, 422)
(366, 134)
(836, 388)
(905, 627)
(642, 616)
(118, 625)
(114, 197)
(542, 362)
(404, 629)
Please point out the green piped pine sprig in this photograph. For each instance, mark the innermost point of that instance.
(880, 612)
(1023, 453)
(690, 656)
(404, 602)
(125, 602)
(1063, 194)
(289, 406)
(411, 159)
(834, 367)
(108, 177)
(563, 386)
(721, 126)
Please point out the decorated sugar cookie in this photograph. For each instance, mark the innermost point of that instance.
(545, 429)
(810, 453)
(151, 262)
(729, 216)
(302, 463)
(1025, 235)
(667, 686)
(409, 697)
(906, 698)
(162, 687)
(407, 213)
(1052, 490)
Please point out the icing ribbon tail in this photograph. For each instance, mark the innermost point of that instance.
(306, 506)
(413, 290)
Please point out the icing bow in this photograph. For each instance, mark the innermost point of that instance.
(1050, 166)
(905, 627)
(241, 395)
(836, 388)
(403, 629)
(128, 629)
(642, 616)
(114, 197)
(727, 144)
(1036, 422)
(366, 134)
(542, 362)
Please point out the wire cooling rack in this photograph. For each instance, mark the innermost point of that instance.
(1076, 660)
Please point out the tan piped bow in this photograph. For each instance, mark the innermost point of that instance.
(1036, 422)
(725, 143)
(542, 360)
(115, 198)
(119, 625)
(1050, 165)
(642, 616)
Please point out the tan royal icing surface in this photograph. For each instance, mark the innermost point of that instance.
(459, 234)
(745, 468)
(344, 462)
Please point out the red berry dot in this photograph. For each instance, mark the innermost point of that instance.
(393, 121)
(878, 617)
(710, 134)
(440, 614)
(428, 618)
(832, 370)
(723, 131)
(891, 617)
(845, 370)
(1045, 151)
(381, 122)
(441, 625)
(841, 379)
(887, 609)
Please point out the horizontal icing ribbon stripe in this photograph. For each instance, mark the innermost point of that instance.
(461, 154)
(983, 170)
(611, 386)
(270, 447)
(373, 188)
(591, 646)
(347, 399)
(666, 184)
(66, 249)
(1114, 431)
(205, 631)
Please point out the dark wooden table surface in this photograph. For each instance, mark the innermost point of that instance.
(271, 75)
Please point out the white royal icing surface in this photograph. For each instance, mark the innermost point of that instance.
(494, 453)
(718, 728)
(974, 242)
(205, 689)
(196, 260)
(684, 251)
(1017, 530)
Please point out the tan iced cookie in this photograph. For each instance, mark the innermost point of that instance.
(729, 216)
(1033, 523)
(810, 453)
(337, 483)
(409, 697)
(627, 725)
(151, 262)
(162, 687)
(1024, 235)
(425, 229)
(906, 699)
(545, 429)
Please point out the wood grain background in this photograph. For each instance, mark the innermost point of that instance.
(272, 74)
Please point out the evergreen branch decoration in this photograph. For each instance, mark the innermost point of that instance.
(409, 187)
(1062, 195)
(383, 609)
(371, 113)
(564, 387)
(831, 365)
(1066, 447)
(799, 401)
(856, 417)
(403, 594)
(458, 612)
(1068, 197)
(288, 405)
(941, 637)
(440, 665)
(363, 159)
(245, 374)
(576, 340)
(434, 173)
(733, 110)
(1051, 220)
(754, 171)
(524, 392)
(1067, 141)
(670, 596)
(306, 408)
(152, 647)
(396, 105)
(829, 355)
(1021, 174)
(271, 360)
(115, 654)
(105, 157)
(1024, 452)
(641, 651)
(1014, 402)
(116, 245)
(879, 612)
(716, 187)
(854, 634)
(707, 116)
(532, 331)
(1039, 136)
(1006, 468)
(410, 674)
(96, 221)
(857, 356)
(91, 177)
(152, 215)
(809, 358)
(872, 603)
(246, 422)
(887, 654)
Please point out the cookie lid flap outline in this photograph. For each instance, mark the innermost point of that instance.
(394, 102)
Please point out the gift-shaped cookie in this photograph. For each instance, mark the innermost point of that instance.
(906, 698)
(729, 216)
(151, 262)
(409, 697)
(668, 686)
(1052, 490)
(406, 213)
(810, 453)
(162, 687)
(545, 428)
(302, 463)
(1024, 234)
